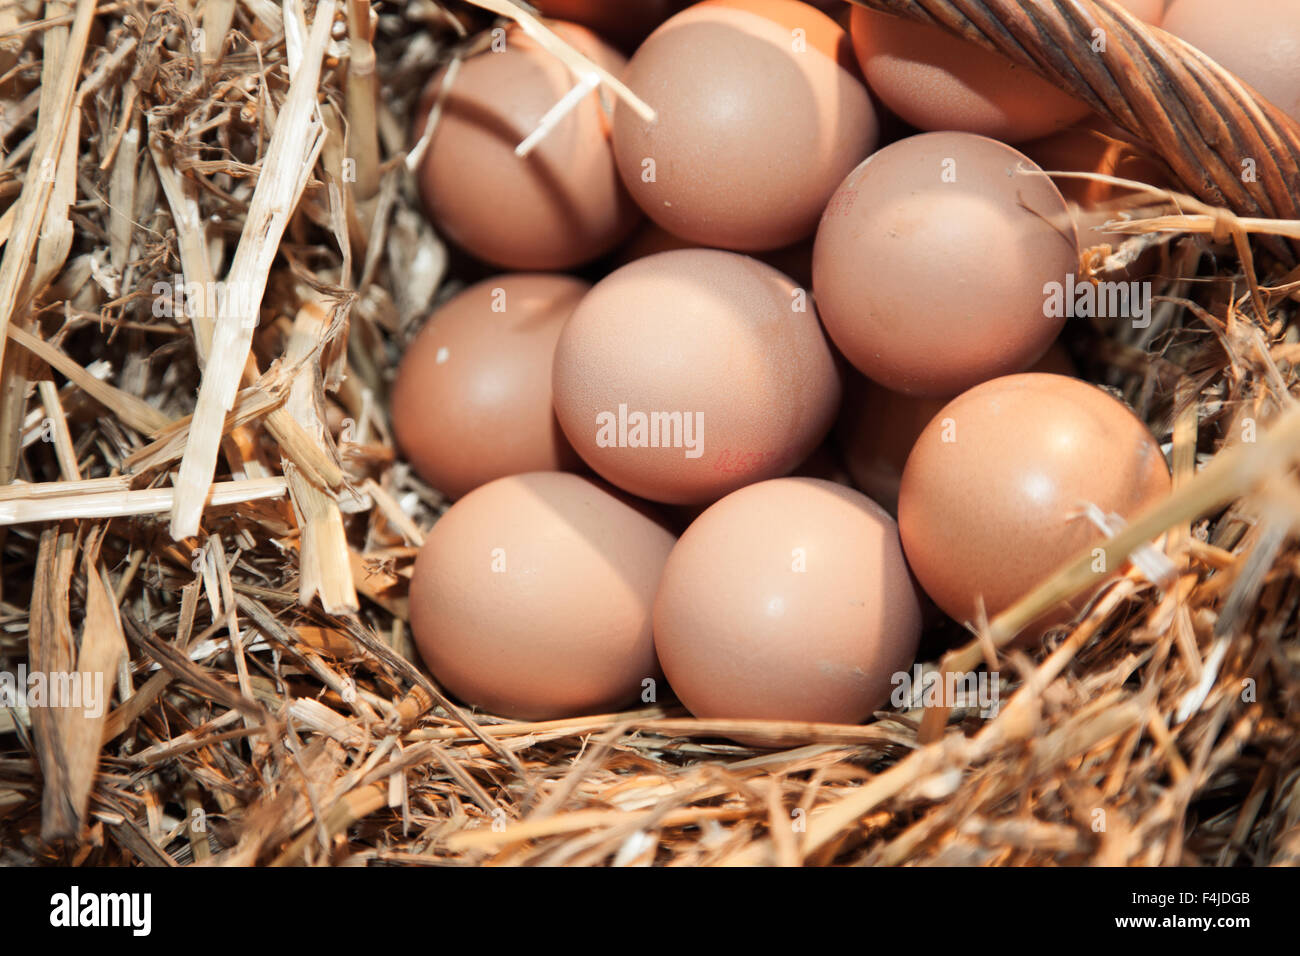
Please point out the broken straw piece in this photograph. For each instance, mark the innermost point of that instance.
(557, 47)
(556, 114)
(1195, 697)
(1153, 564)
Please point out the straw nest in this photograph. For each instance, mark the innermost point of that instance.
(203, 504)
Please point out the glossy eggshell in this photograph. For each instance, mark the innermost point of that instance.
(560, 206)
(877, 428)
(472, 397)
(931, 262)
(756, 125)
(532, 597)
(720, 338)
(1259, 40)
(992, 495)
(787, 600)
(938, 81)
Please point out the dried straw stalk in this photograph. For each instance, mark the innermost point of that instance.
(295, 143)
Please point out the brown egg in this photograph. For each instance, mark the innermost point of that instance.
(937, 81)
(795, 261)
(1259, 40)
(787, 600)
(877, 428)
(532, 597)
(761, 113)
(932, 262)
(685, 375)
(560, 206)
(992, 497)
(625, 23)
(472, 398)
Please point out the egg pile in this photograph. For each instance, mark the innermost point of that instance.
(773, 259)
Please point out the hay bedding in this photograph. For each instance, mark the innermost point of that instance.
(266, 707)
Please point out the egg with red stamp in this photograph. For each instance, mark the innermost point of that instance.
(687, 374)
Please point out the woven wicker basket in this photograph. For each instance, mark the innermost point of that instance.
(1201, 119)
